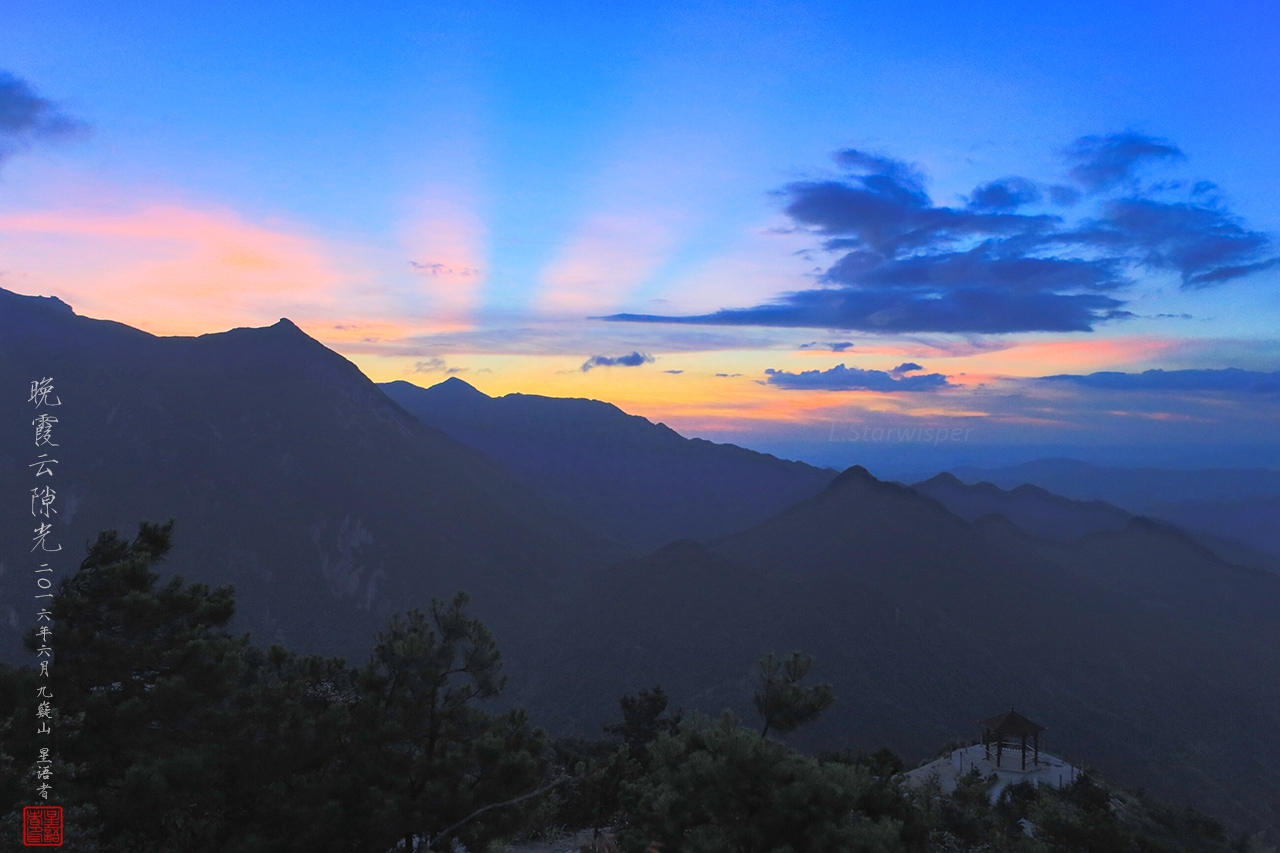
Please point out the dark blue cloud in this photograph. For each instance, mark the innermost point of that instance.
(986, 265)
(887, 212)
(841, 378)
(1064, 196)
(1103, 162)
(1203, 242)
(1004, 194)
(976, 309)
(831, 346)
(1230, 379)
(26, 117)
(634, 359)
(882, 171)
(673, 372)
(908, 265)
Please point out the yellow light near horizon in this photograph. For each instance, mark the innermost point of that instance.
(692, 401)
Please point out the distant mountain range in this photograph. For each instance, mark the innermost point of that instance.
(646, 485)
(1033, 509)
(1136, 489)
(641, 483)
(330, 506)
(1236, 512)
(1144, 654)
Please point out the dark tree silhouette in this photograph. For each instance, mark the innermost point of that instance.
(643, 720)
(782, 702)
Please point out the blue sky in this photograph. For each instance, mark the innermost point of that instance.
(463, 187)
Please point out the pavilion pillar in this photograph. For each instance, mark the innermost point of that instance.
(1024, 752)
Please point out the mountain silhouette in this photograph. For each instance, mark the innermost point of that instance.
(290, 474)
(641, 483)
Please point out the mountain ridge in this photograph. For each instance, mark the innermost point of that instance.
(1234, 512)
(639, 482)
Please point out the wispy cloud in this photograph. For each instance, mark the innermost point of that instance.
(445, 240)
(435, 364)
(906, 264)
(495, 333)
(830, 346)
(1229, 379)
(436, 269)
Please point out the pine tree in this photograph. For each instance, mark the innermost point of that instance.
(643, 720)
(433, 757)
(782, 702)
(139, 677)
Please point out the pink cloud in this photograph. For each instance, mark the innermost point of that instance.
(171, 269)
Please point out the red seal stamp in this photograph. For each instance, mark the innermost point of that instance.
(42, 826)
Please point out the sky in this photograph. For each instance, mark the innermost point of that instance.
(834, 231)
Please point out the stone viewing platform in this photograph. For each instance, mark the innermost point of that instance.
(1050, 771)
(1005, 752)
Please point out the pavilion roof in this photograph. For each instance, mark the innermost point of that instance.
(1012, 723)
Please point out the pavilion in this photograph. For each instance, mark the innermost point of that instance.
(1010, 730)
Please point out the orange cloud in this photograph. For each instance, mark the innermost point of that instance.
(1078, 355)
(170, 269)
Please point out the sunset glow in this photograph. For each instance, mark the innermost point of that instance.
(750, 229)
